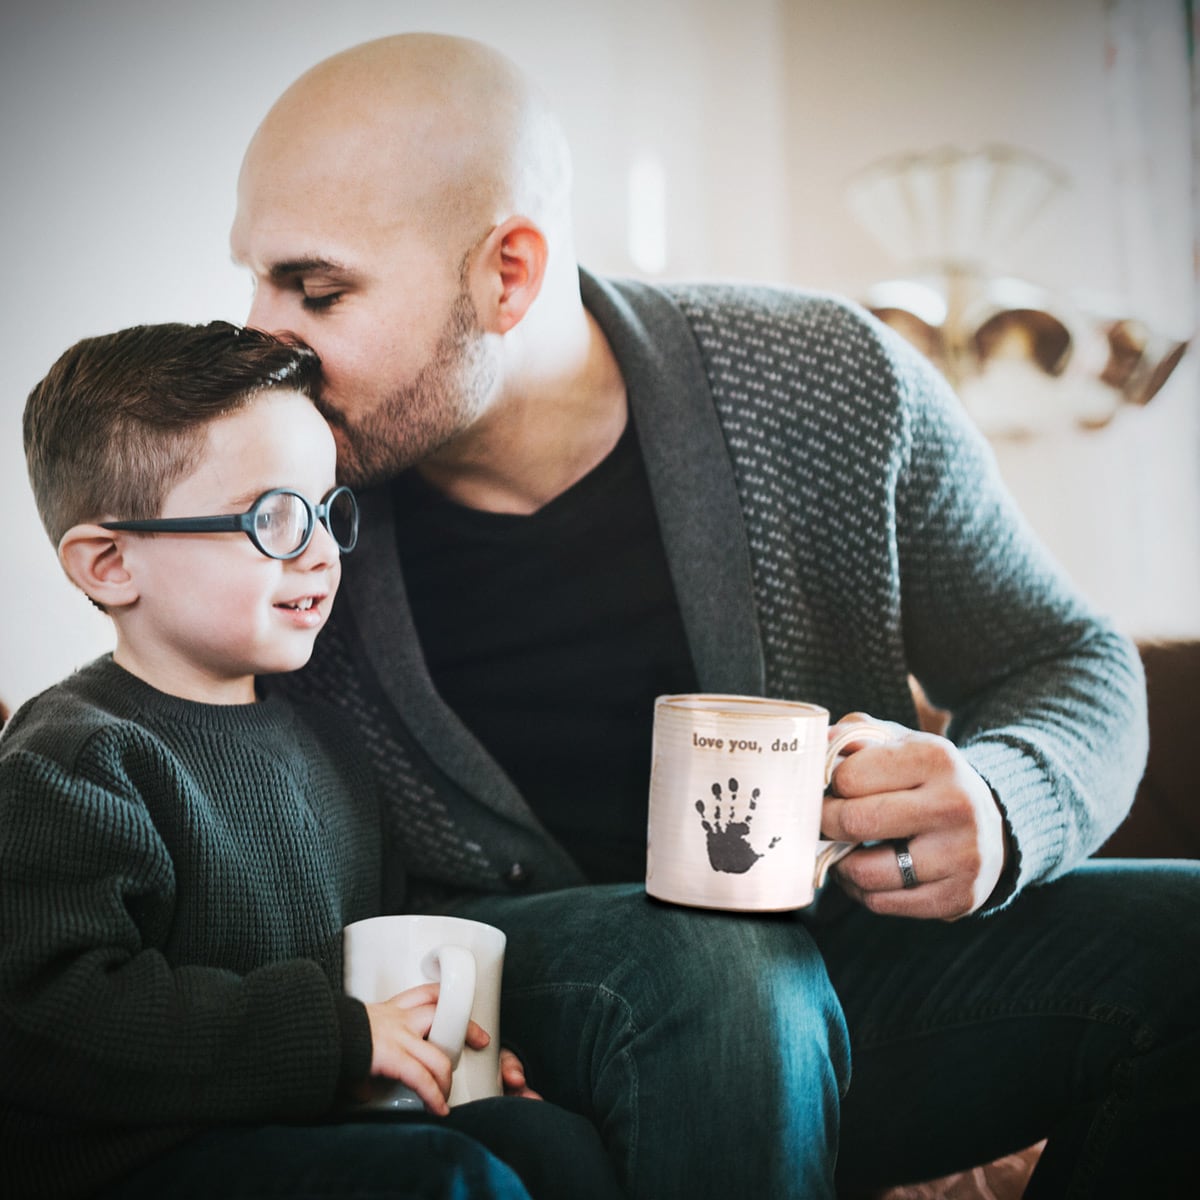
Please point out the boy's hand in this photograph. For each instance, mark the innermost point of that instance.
(512, 1076)
(399, 1049)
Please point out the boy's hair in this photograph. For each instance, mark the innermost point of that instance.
(120, 419)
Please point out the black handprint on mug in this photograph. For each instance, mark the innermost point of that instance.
(729, 848)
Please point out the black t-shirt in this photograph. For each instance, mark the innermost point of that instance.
(550, 636)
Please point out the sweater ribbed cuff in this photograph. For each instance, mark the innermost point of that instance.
(1035, 823)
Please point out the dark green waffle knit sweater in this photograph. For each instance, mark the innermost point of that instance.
(173, 881)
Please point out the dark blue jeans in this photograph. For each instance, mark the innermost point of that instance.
(714, 1050)
(548, 1153)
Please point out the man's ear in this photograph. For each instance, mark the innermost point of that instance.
(93, 561)
(512, 263)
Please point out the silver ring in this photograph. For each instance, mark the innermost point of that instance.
(905, 863)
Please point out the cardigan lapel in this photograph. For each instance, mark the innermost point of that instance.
(375, 589)
(691, 478)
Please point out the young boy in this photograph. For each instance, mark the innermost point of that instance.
(177, 859)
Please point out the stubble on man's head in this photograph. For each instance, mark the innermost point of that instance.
(438, 135)
(447, 128)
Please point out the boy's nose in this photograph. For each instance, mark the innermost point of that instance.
(320, 552)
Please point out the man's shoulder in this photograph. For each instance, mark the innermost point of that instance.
(756, 325)
(768, 300)
(733, 298)
(744, 303)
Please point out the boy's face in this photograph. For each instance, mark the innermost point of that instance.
(212, 610)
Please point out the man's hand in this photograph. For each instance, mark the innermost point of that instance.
(512, 1076)
(399, 1049)
(919, 788)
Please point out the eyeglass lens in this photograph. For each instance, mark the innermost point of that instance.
(342, 519)
(283, 522)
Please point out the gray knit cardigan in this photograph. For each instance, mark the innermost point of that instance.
(832, 523)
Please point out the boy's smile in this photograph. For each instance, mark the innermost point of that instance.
(306, 612)
(212, 610)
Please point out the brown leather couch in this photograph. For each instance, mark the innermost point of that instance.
(1165, 819)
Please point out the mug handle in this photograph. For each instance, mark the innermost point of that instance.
(454, 967)
(829, 853)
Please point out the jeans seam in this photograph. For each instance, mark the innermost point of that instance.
(631, 1025)
(1141, 1038)
(1099, 1131)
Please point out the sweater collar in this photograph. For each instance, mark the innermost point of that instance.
(131, 698)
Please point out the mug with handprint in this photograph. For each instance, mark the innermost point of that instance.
(736, 787)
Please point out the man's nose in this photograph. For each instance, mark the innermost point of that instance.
(266, 311)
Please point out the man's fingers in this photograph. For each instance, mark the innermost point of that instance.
(874, 817)
(945, 867)
(945, 900)
(909, 760)
(876, 869)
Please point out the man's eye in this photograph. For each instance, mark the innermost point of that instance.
(324, 300)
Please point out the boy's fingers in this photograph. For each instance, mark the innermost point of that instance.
(426, 1087)
(477, 1036)
(512, 1076)
(429, 1066)
(414, 997)
(512, 1070)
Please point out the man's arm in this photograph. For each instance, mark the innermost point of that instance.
(1048, 733)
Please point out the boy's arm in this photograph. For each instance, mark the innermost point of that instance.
(96, 1023)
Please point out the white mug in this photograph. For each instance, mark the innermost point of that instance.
(382, 956)
(736, 788)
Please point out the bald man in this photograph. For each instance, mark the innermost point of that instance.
(582, 493)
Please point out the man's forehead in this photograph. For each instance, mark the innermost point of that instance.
(291, 250)
(285, 224)
(290, 218)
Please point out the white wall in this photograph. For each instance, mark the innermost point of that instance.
(122, 124)
(1120, 507)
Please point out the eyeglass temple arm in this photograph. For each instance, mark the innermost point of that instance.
(229, 523)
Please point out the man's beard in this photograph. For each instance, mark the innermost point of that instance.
(444, 399)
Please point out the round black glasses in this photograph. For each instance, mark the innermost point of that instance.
(280, 522)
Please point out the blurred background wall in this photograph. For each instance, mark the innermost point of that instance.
(712, 138)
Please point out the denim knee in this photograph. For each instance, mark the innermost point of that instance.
(735, 987)
(741, 992)
(650, 1018)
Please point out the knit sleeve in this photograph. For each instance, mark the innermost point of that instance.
(1048, 699)
(95, 1022)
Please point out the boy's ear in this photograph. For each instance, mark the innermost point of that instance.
(92, 559)
(513, 265)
